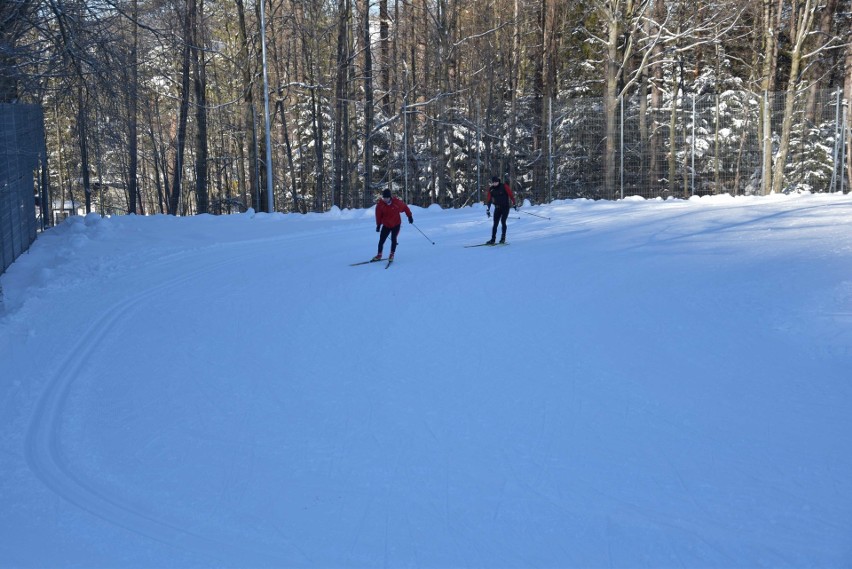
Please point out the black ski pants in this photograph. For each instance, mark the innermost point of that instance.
(501, 214)
(383, 236)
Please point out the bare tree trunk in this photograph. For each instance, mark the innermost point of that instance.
(248, 108)
(847, 136)
(611, 76)
(66, 22)
(288, 147)
(340, 181)
(368, 107)
(770, 62)
(132, 99)
(740, 151)
(644, 133)
(654, 138)
(12, 17)
(817, 72)
(319, 135)
(161, 177)
(310, 51)
(393, 85)
(82, 133)
(803, 29)
(514, 78)
(177, 174)
(263, 173)
(350, 127)
(384, 40)
(200, 82)
(280, 65)
(545, 89)
(676, 95)
(685, 168)
(442, 74)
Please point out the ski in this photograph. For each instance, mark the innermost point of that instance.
(365, 262)
(389, 263)
(485, 245)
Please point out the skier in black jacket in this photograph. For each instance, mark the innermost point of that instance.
(499, 194)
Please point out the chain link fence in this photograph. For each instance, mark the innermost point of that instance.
(678, 146)
(729, 143)
(689, 144)
(22, 165)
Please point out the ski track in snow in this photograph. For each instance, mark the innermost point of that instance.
(43, 442)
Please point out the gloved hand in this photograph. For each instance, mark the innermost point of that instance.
(488, 213)
(378, 228)
(410, 219)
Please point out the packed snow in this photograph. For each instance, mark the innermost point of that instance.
(627, 384)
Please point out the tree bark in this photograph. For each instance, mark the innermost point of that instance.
(249, 123)
(654, 138)
(803, 29)
(82, 133)
(847, 136)
(384, 40)
(368, 108)
(340, 181)
(612, 69)
(200, 82)
(818, 71)
(132, 99)
(770, 62)
(180, 142)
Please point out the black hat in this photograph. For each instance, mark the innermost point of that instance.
(495, 180)
(386, 194)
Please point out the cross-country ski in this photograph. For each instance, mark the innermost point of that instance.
(365, 262)
(488, 244)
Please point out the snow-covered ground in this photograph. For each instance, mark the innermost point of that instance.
(628, 384)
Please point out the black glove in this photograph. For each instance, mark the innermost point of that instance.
(410, 219)
(378, 228)
(488, 213)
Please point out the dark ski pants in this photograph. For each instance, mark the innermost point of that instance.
(383, 236)
(501, 214)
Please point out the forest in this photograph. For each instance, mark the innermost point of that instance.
(215, 106)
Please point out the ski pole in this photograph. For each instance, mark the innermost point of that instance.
(421, 232)
(534, 215)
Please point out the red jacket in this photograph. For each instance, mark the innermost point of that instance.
(388, 214)
(500, 196)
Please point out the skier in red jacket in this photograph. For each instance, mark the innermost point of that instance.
(389, 222)
(500, 194)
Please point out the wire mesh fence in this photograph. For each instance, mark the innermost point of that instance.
(679, 145)
(689, 144)
(728, 143)
(22, 150)
(674, 145)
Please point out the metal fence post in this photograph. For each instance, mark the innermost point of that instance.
(692, 158)
(843, 143)
(621, 147)
(838, 134)
(478, 152)
(405, 148)
(767, 144)
(550, 149)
